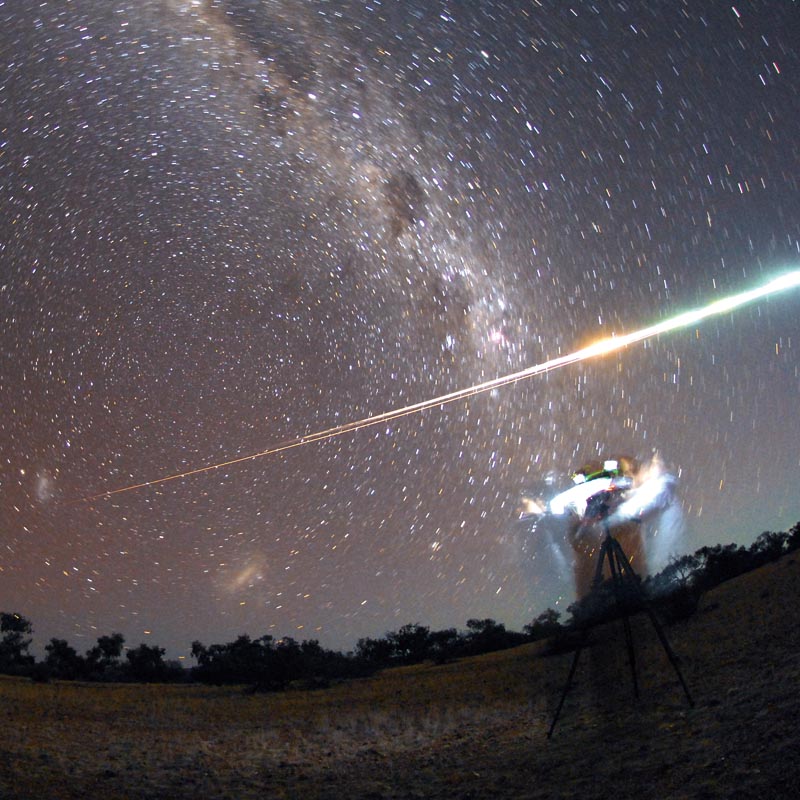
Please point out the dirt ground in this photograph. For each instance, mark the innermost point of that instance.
(472, 729)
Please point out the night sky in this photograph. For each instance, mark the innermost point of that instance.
(229, 223)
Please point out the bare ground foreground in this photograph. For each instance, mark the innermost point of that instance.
(472, 729)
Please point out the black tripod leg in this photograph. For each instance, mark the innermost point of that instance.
(568, 684)
(673, 659)
(598, 577)
(634, 581)
(605, 553)
(617, 577)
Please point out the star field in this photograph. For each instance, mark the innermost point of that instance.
(229, 223)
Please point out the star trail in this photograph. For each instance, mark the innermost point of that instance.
(227, 223)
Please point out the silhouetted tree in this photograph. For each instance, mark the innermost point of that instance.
(680, 572)
(283, 664)
(769, 546)
(313, 655)
(721, 563)
(103, 660)
(268, 665)
(544, 626)
(444, 645)
(146, 663)
(317, 664)
(14, 644)
(63, 661)
(244, 660)
(374, 653)
(675, 591)
(793, 542)
(486, 635)
(410, 644)
(199, 651)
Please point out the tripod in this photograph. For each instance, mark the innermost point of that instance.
(623, 576)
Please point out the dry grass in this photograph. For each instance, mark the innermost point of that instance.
(88, 730)
(473, 728)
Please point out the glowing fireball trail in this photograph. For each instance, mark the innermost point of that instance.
(611, 344)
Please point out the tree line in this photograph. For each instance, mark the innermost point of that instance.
(269, 664)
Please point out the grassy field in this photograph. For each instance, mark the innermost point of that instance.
(474, 728)
(81, 735)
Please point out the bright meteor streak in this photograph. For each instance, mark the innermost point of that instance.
(609, 345)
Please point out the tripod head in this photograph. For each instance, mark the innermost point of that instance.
(600, 506)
